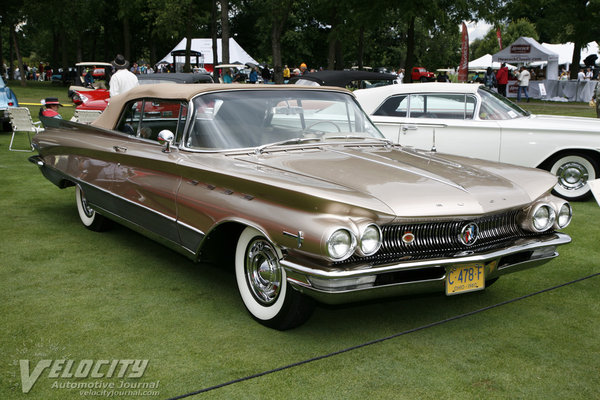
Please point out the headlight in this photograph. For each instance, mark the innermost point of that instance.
(341, 244)
(370, 241)
(543, 217)
(564, 215)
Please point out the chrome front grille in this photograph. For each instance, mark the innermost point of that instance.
(444, 236)
(442, 239)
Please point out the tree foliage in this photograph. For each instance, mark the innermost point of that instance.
(489, 43)
(321, 33)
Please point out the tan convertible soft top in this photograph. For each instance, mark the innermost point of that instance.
(108, 119)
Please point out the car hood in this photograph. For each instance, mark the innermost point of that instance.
(405, 182)
(556, 123)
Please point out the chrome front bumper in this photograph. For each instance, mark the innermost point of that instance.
(335, 286)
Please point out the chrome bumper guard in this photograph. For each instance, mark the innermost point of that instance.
(363, 282)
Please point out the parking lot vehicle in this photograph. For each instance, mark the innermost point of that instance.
(470, 120)
(7, 99)
(420, 74)
(97, 98)
(297, 189)
(345, 79)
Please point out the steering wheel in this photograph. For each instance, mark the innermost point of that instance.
(325, 122)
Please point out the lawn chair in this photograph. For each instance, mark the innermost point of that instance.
(86, 116)
(20, 120)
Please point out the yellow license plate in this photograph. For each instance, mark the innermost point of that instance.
(465, 278)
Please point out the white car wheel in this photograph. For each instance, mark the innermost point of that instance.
(573, 172)
(263, 286)
(90, 218)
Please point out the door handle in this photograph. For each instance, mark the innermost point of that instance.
(409, 128)
(120, 149)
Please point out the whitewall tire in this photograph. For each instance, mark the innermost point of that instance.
(89, 218)
(263, 286)
(573, 172)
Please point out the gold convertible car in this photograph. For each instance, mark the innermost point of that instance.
(296, 188)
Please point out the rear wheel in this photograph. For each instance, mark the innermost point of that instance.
(573, 172)
(89, 218)
(263, 286)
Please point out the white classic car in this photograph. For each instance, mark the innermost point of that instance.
(470, 120)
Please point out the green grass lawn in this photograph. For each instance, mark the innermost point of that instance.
(69, 293)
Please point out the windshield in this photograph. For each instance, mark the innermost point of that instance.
(253, 118)
(495, 106)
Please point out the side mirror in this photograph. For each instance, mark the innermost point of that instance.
(166, 138)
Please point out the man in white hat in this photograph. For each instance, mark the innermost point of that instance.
(122, 80)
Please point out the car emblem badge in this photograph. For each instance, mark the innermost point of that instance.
(408, 237)
(468, 234)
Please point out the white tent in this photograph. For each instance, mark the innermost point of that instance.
(526, 50)
(204, 46)
(486, 61)
(565, 51)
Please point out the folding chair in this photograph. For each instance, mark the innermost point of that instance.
(20, 120)
(86, 116)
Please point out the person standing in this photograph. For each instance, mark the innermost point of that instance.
(523, 79)
(490, 79)
(122, 80)
(597, 99)
(253, 78)
(286, 74)
(502, 79)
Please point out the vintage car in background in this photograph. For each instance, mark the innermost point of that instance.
(7, 99)
(345, 79)
(420, 74)
(470, 120)
(97, 98)
(296, 189)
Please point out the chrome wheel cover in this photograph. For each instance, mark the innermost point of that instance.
(263, 272)
(572, 175)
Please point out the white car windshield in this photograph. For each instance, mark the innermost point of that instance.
(254, 118)
(495, 106)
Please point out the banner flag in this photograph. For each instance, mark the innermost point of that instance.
(499, 36)
(463, 68)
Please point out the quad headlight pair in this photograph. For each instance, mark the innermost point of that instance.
(544, 216)
(342, 243)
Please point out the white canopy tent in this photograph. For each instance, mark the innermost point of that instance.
(526, 50)
(486, 61)
(204, 47)
(565, 51)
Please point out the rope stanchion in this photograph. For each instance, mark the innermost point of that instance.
(359, 346)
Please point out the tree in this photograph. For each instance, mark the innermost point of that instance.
(225, 31)
(489, 43)
(559, 21)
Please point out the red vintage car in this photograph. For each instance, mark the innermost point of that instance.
(97, 99)
(420, 74)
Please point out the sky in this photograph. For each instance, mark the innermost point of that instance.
(477, 30)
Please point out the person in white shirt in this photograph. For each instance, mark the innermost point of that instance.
(523, 79)
(580, 76)
(122, 80)
(588, 74)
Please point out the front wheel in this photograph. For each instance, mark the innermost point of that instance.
(89, 218)
(573, 172)
(263, 286)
